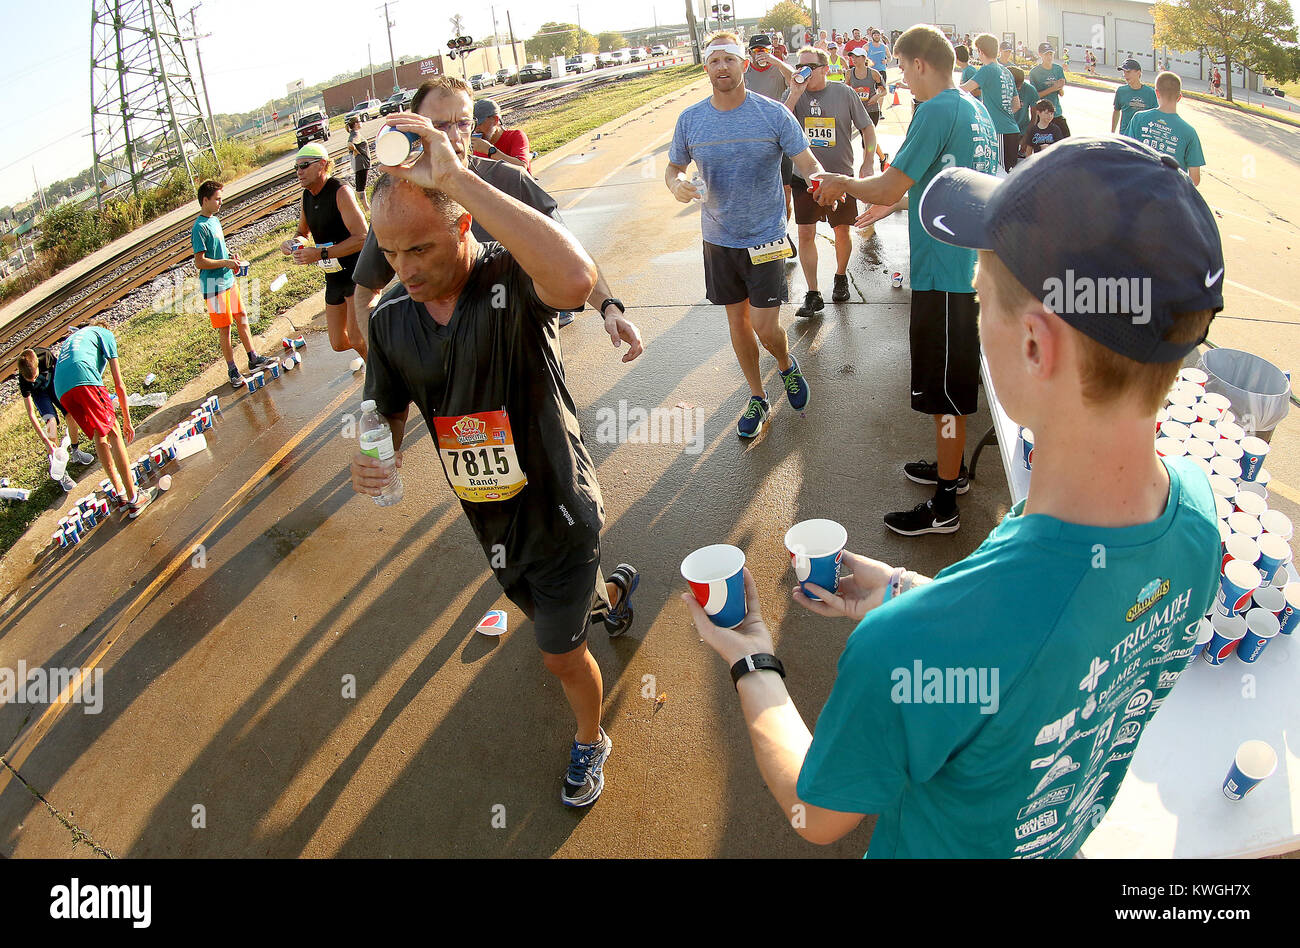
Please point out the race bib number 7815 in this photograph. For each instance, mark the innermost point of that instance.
(478, 456)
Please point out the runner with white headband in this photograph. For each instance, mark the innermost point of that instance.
(736, 141)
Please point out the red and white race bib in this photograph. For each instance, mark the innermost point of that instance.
(478, 456)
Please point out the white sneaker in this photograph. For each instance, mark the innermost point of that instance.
(67, 483)
(77, 456)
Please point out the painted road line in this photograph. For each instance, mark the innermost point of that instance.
(1251, 289)
(119, 625)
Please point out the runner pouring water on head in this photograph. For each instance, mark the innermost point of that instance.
(736, 141)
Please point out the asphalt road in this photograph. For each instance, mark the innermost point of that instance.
(227, 676)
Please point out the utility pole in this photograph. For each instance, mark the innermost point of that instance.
(392, 57)
(371, 60)
(695, 34)
(39, 193)
(212, 129)
(514, 50)
(496, 45)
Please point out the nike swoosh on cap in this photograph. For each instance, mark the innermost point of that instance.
(938, 222)
(1212, 278)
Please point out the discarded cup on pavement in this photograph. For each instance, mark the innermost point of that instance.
(1254, 762)
(717, 579)
(494, 622)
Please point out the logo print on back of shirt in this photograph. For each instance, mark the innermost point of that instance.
(1058, 770)
(1127, 734)
(1095, 671)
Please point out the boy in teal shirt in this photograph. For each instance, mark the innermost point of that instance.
(997, 89)
(1028, 97)
(1131, 98)
(1166, 131)
(949, 129)
(984, 713)
(964, 64)
(1049, 79)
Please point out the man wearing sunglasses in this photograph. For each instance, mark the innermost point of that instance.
(331, 216)
(447, 102)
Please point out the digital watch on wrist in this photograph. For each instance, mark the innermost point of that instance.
(617, 302)
(324, 253)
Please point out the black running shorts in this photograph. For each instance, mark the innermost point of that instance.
(808, 211)
(945, 344)
(731, 277)
(558, 595)
(339, 286)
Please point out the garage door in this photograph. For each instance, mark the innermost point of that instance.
(1186, 64)
(846, 15)
(1133, 40)
(1079, 31)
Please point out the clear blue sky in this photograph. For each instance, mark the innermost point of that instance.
(255, 49)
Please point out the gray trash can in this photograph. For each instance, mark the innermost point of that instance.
(1259, 391)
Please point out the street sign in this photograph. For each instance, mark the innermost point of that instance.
(275, 116)
(296, 86)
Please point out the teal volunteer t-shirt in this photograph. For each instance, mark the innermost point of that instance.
(1042, 78)
(968, 72)
(207, 238)
(1168, 134)
(1028, 99)
(82, 359)
(997, 92)
(950, 130)
(1129, 102)
(994, 712)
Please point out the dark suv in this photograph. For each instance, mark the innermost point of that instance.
(313, 125)
(397, 102)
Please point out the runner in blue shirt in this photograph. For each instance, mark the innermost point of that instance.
(985, 714)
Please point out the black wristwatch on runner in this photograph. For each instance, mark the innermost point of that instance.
(324, 253)
(622, 310)
(761, 662)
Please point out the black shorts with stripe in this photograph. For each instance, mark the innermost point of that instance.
(945, 345)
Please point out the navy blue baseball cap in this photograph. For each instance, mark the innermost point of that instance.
(1106, 232)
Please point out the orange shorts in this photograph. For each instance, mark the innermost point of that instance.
(224, 307)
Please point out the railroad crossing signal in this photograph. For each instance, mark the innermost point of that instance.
(461, 45)
(722, 11)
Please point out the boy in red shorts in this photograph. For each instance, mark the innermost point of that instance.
(217, 280)
(79, 388)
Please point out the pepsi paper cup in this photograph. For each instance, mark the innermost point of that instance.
(1261, 628)
(816, 548)
(1196, 448)
(1175, 429)
(1230, 430)
(1256, 449)
(394, 147)
(1289, 617)
(494, 622)
(1244, 523)
(251, 383)
(1254, 761)
(1187, 396)
(1229, 449)
(242, 271)
(714, 573)
(1208, 413)
(897, 280)
(1274, 552)
(1204, 632)
(1183, 415)
(1194, 376)
(1027, 448)
(1203, 432)
(1226, 633)
(1215, 400)
(1237, 583)
(1274, 521)
(1226, 466)
(1169, 447)
(1249, 502)
(1223, 486)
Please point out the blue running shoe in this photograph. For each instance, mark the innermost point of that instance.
(586, 776)
(751, 422)
(796, 387)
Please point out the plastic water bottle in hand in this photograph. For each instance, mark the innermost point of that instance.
(377, 442)
(697, 182)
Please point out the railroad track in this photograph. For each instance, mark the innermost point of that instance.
(144, 261)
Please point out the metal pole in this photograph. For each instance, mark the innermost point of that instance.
(392, 57)
(496, 45)
(514, 50)
(212, 130)
(371, 60)
(167, 92)
(39, 193)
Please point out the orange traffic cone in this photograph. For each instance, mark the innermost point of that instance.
(896, 102)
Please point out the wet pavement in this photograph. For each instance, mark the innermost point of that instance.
(290, 670)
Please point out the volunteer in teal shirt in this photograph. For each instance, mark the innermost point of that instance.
(994, 711)
(1044, 75)
(1166, 131)
(1028, 98)
(83, 358)
(207, 238)
(1131, 98)
(997, 92)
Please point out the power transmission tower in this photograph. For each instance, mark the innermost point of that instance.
(145, 117)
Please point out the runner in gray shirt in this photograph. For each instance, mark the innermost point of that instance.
(770, 76)
(828, 112)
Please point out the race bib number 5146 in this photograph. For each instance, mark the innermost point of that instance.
(478, 456)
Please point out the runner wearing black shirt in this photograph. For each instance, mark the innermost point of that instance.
(330, 215)
(470, 338)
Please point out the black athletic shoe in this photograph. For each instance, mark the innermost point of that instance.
(922, 519)
(812, 303)
(840, 292)
(927, 472)
(258, 362)
(236, 380)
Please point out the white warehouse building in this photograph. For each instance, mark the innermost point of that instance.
(1115, 29)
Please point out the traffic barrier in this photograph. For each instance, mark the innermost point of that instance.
(665, 61)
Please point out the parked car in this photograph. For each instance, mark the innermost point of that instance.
(397, 102)
(481, 80)
(365, 111)
(611, 58)
(533, 72)
(584, 62)
(508, 75)
(637, 54)
(659, 49)
(311, 125)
